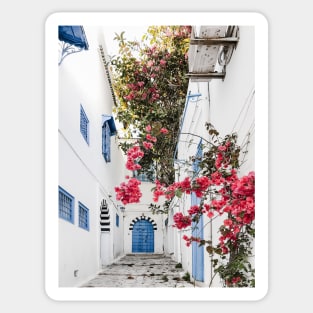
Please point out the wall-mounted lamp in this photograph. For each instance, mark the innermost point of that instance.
(122, 208)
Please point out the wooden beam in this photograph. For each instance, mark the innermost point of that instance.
(206, 75)
(226, 41)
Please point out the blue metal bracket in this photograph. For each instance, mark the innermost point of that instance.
(72, 39)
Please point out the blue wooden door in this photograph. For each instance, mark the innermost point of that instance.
(197, 252)
(143, 237)
(197, 228)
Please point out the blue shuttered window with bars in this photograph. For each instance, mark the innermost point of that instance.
(83, 216)
(84, 124)
(108, 130)
(106, 142)
(66, 205)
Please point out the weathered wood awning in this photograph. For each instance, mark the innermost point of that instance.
(208, 46)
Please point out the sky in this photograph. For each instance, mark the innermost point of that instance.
(131, 33)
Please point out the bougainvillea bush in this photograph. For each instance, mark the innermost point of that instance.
(151, 86)
(222, 192)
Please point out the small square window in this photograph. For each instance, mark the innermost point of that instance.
(66, 206)
(84, 124)
(83, 216)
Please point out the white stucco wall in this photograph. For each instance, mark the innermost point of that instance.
(83, 172)
(229, 106)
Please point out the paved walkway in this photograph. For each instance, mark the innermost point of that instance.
(141, 270)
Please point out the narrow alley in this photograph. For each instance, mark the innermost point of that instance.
(142, 270)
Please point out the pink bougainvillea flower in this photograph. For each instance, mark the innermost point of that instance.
(150, 63)
(151, 138)
(163, 131)
(236, 280)
(181, 221)
(132, 166)
(148, 128)
(210, 214)
(129, 192)
(158, 191)
(162, 62)
(228, 222)
(195, 209)
(147, 145)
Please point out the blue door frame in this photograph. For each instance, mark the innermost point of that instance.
(143, 237)
(197, 228)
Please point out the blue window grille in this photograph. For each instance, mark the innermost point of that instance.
(117, 220)
(84, 124)
(83, 216)
(66, 205)
(108, 130)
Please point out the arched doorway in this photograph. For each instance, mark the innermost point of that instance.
(143, 237)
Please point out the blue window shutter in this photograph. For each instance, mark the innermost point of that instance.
(108, 130)
(106, 142)
(83, 216)
(66, 205)
(84, 124)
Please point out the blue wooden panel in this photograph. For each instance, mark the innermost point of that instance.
(197, 252)
(197, 228)
(143, 237)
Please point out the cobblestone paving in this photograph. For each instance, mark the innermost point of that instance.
(141, 270)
